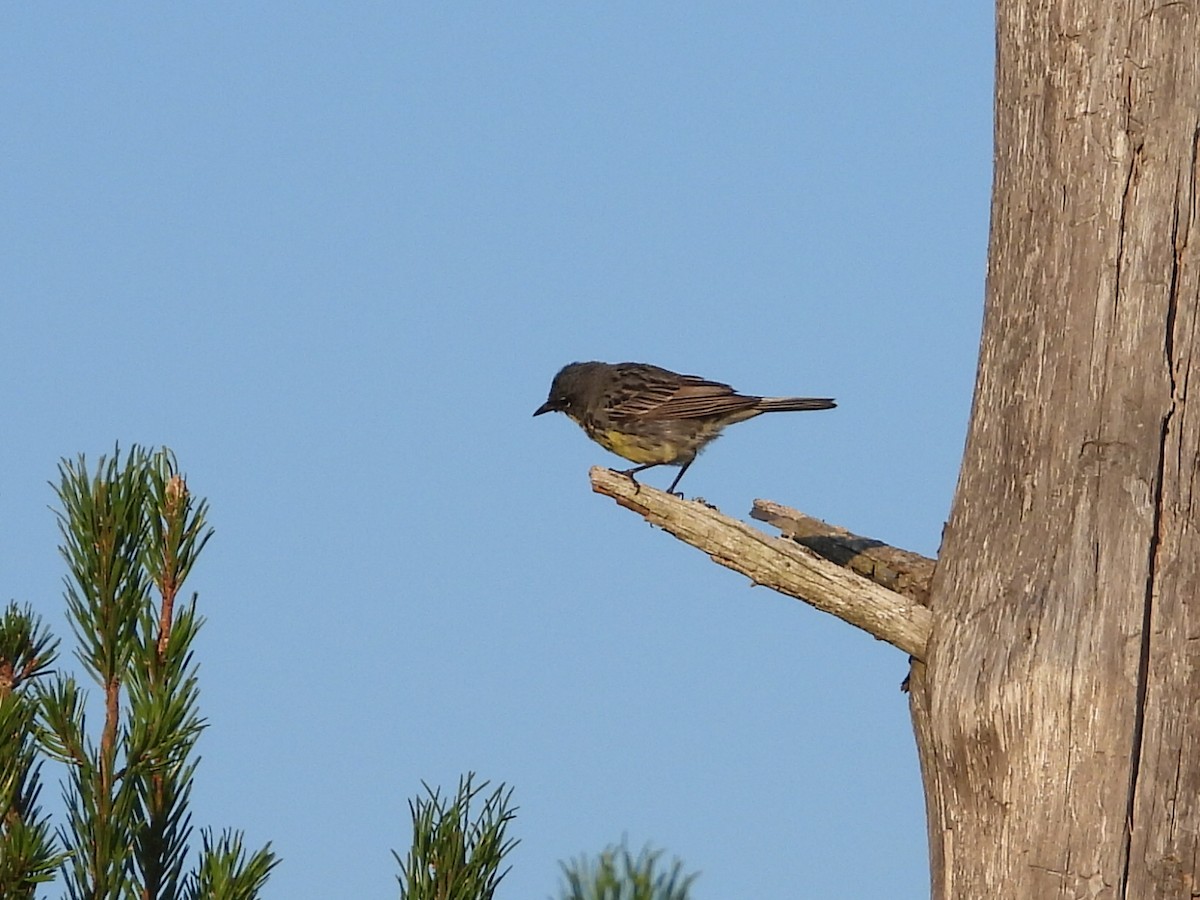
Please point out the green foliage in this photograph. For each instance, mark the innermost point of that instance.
(618, 875)
(453, 856)
(225, 872)
(131, 533)
(28, 856)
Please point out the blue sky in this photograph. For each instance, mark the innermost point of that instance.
(332, 255)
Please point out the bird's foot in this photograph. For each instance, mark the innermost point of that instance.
(629, 473)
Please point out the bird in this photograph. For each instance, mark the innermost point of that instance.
(653, 416)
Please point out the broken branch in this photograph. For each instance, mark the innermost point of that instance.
(777, 563)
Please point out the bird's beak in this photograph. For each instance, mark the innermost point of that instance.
(545, 408)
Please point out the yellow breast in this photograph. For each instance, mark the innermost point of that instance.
(641, 449)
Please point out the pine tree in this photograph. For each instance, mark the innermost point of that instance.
(131, 533)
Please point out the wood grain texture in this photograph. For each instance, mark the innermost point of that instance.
(902, 571)
(776, 563)
(1058, 721)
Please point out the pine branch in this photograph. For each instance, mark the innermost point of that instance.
(28, 855)
(130, 530)
(455, 854)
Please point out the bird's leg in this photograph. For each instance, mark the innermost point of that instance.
(683, 468)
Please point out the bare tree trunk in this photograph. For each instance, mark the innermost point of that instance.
(1055, 689)
(1058, 718)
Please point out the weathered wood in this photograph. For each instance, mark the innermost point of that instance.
(897, 570)
(1058, 721)
(776, 563)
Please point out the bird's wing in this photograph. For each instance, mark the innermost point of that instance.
(669, 396)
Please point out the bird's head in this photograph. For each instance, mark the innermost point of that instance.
(568, 389)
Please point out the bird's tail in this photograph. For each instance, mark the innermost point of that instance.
(794, 404)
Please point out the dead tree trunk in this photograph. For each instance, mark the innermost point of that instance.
(1055, 688)
(1059, 713)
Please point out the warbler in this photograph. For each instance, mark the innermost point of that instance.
(653, 416)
